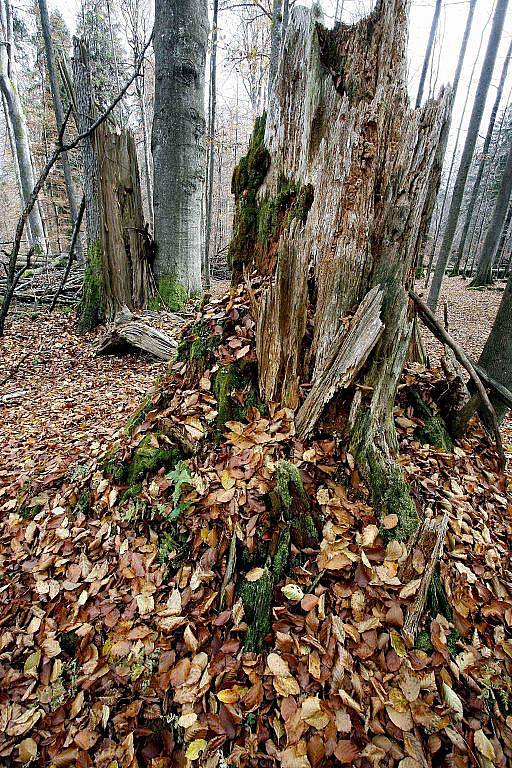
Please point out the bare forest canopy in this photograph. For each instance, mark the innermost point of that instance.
(295, 549)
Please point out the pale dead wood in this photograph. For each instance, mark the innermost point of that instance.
(350, 352)
(127, 329)
(430, 539)
(439, 332)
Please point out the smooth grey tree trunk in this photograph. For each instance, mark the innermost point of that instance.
(481, 165)
(456, 80)
(9, 88)
(211, 142)
(489, 250)
(428, 52)
(147, 148)
(496, 357)
(469, 148)
(12, 147)
(59, 117)
(179, 153)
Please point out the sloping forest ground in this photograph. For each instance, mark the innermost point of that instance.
(63, 404)
(122, 626)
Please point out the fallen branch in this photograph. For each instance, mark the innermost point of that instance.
(439, 332)
(127, 329)
(71, 257)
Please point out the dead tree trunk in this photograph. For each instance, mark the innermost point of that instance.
(333, 200)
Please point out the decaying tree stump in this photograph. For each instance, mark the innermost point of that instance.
(333, 200)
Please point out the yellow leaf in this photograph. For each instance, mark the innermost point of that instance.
(28, 750)
(292, 592)
(226, 480)
(484, 746)
(195, 748)
(398, 644)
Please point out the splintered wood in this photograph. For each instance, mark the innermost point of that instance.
(349, 354)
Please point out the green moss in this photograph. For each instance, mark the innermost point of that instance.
(197, 343)
(114, 468)
(435, 433)
(170, 294)
(304, 531)
(392, 497)
(28, 273)
(91, 311)
(282, 554)
(228, 381)
(131, 492)
(69, 643)
(83, 504)
(289, 479)
(139, 416)
(423, 642)
(146, 458)
(257, 601)
(436, 600)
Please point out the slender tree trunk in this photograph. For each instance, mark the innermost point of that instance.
(469, 148)
(309, 213)
(211, 142)
(17, 175)
(485, 149)
(9, 88)
(503, 240)
(180, 42)
(59, 117)
(147, 150)
(496, 356)
(456, 80)
(428, 52)
(483, 274)
(92, 307)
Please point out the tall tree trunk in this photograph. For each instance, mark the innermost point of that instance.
(469, 148)
(92, 307)
(59, 116)
(17, 174)
(332, 200)
(181, 35)
(455, 87)
(428, 52)
(147, 148)
(9, 88)
(483, 274)
(496, 357)
(212, 105)
(276, 34)
(485, 149)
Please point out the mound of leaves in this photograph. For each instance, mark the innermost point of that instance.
(123, 638)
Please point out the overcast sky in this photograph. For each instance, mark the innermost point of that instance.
(451, 29)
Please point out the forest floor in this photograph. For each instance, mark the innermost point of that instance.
(63, 404)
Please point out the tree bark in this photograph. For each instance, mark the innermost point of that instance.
(428, 52)
(9, 88)
(332, 201)
(212, 105)
(483, 274)
(59, 116)
(276, 34)
(469, 148)
(485, 149)
(181, 34)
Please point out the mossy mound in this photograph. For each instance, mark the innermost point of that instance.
(148, 458)
(170, 294)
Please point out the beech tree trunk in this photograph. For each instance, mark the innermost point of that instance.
(428, 52)
(9, 88)
(489, 250)
(212, 109)
(481, 166)
(59, 116)
(179, 152)
(469, 148)
(333, 199)
(496, 357)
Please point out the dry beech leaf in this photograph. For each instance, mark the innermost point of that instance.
(292, 592)
(484, 746)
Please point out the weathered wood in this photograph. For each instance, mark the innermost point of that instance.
(439, 332)
(429, 539)
(127, 329)
(350, 352)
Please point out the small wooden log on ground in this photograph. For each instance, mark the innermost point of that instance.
(429, 539)
(349, 354)
(128, 329)
(439, 332)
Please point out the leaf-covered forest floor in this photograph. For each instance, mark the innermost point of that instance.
(64, 405)
(133, 598)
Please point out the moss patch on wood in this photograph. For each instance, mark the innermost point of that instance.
(91, 311)
(257, 601)
(147, 458)
(170, 294)
(236, 391)
(434, 431)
